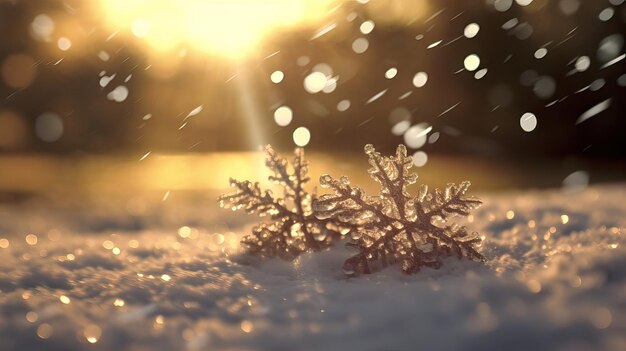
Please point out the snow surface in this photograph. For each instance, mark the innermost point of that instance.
(551, 286)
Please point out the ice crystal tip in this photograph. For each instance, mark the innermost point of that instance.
(344, 180)
(325, 180)
(401, 150)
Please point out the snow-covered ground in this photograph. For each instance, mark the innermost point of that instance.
(555, 280)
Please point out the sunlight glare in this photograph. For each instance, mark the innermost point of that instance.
(226, 27)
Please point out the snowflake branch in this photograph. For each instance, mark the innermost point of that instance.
(395, 189)
(250, 197)
(452, 201)
(402, 229)
(295, 229)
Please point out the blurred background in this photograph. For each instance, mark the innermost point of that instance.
(117, 97)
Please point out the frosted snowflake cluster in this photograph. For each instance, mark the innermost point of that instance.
(392, 226)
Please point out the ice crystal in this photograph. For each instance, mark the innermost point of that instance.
(293, 229)
(394, 226)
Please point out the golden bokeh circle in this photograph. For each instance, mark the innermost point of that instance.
(18, 71)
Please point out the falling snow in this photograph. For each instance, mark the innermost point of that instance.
(283, 116)
(343, 105)
(376, 96)
(360, 45)
(555, 259)
(471, 30)
(528, 122)
(315, 82)
(420, 79)
(594, 111)
(471, 62)
(301, 136)
(391, 73)
(119, 94)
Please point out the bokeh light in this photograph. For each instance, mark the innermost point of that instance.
(45, 331)
(420, 79)
(119, 94)
(391, 73)
(315, 82)
(18, 70)
(471, 62)
(277, 77)
(301, 136)
(367, 27)
(420, 158)
(528, 122)
(14, 130)
(283, 116)
(49, 127)
(343, 105)
(471, 30)
(92, 333)
(415, 137)
(360, 45)
(42, 27)
(64, 43)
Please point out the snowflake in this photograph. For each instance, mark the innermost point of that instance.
(394, 226)
(293, 228)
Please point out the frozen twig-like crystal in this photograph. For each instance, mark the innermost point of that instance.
(292, 228)
(394, 226)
